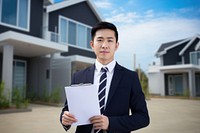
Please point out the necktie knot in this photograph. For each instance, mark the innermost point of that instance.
(104, 69)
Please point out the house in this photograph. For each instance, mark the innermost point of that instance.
(179, 70)
(43, 43)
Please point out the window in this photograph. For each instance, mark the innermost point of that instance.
(195, 57)
(74, 33)
(63, 30)
(15, 13)
(88, 37)
(81, 36)
(19, 74)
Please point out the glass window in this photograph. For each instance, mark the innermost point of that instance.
(88, 37)
(81, 36)
(23, 14)
(195, 58)
(63, 30)
(9, 12)
(15, 12)
(19, 74)
(72, 33)
(178, 84)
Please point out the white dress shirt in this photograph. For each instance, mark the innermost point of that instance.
(97, 75)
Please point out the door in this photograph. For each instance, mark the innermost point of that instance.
(178, 84)
(197, 80)
(19, 75)
(175, 85)
(171, 85)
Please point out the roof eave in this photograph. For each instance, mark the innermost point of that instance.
(60, 5)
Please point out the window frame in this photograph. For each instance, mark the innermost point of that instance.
(77, 23)
(194, 57)
(17, 19)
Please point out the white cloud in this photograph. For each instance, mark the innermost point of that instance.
(123, 18)
(144, 39)
(104, 4)
(149, 14)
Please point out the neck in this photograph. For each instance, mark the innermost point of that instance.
(106, 62)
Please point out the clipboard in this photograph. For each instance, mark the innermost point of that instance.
(82, 102)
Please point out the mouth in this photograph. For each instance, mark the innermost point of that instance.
(104, 52)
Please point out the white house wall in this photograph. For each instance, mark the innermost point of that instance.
(154, 83)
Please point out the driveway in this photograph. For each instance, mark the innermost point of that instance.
(167, 116)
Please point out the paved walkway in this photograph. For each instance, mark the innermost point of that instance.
(167, 116)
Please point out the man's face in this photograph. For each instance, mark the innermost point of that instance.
(104, 45)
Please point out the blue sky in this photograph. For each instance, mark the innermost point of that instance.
(144, 25)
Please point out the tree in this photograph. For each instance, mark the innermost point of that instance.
(144, 82)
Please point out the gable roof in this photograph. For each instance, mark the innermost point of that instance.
(197, 46)
(66, 3)
(169, 45)
(188, 44)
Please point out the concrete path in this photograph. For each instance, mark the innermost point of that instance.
(167, 116)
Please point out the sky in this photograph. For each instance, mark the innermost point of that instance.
(143, 25)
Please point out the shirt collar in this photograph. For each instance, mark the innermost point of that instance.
(110, 66)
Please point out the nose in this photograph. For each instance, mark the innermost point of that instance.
(104, 44)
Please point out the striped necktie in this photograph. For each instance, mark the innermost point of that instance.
(102, 89)
(102, 92)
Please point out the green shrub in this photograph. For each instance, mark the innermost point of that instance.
(55, 95)
(4, 102)
(186, 92)
(19, 98)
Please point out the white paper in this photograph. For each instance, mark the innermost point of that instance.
(83, 102)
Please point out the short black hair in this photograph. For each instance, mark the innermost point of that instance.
(104, 25)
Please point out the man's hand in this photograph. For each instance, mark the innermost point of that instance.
(100, 122)
(68, 119)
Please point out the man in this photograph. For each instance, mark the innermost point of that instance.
(122, 94)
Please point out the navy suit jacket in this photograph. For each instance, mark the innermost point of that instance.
(125, 95)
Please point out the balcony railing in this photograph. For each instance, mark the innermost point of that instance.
(54, 37)
(50, 36)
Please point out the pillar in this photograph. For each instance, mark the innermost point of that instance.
(7, 70)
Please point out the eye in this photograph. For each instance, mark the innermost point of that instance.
(99, 40)
(110, 40)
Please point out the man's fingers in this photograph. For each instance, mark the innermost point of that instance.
(68, 119)
(99, 122)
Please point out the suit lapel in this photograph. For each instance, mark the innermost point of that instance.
(115, 82)
(90, 75)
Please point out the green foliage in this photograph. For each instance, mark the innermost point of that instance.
(31, 95)
(45, 96)
(144, 82)
(186, 92)
(19, 98)
(55, 95)
(4, 102)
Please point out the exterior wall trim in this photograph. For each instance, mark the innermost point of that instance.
(33, 46)
(185, 48)
(67, 3)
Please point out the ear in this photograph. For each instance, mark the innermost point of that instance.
(92, 44)
(117, 45)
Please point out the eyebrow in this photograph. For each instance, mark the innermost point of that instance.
(106, 37)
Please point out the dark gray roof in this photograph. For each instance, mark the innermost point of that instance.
(187, 42)
(168, 44)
